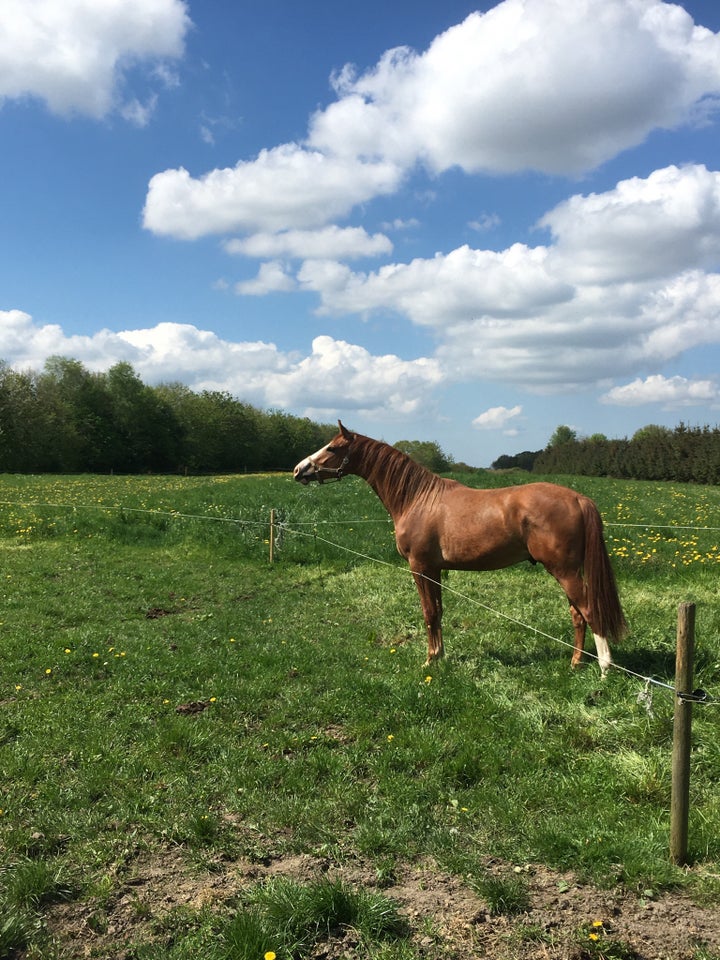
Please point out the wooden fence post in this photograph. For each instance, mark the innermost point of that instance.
(682, 729)
(272, 536)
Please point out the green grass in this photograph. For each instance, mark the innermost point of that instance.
(318, 730)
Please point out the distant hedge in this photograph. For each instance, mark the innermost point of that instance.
(686, 454)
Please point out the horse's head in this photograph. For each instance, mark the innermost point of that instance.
(329, 462)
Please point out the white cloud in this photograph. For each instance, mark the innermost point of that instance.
(669, 392)
(25, 344)
(399, 224)
(74, 54)
(681, 314)
(285, 188)
(139, 113)
(336, 376)
(478, 97)
(486, 221)
(271, 278)
(584, 310)
(448, 288)
(342, 375)
(644, 228)
(344, 243)
(497, 418)
(181, 351)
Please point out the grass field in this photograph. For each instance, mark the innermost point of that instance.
(165, 692)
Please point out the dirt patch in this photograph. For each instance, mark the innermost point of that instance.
(156, 613)
(446, 918)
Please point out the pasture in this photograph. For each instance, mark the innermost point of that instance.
(205, 755)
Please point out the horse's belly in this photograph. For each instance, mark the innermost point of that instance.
(459, 555)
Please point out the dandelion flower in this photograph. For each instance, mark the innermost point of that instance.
(270, 955)
(428, 679)
(48, 671)
(391, 736)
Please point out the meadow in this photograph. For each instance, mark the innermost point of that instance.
(170, 697)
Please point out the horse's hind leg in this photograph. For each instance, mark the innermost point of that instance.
(576, 593)
(579, 625)
(430, 591)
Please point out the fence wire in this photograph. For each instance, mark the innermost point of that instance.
(283, 527)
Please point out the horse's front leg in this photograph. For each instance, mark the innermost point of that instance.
(428, 586)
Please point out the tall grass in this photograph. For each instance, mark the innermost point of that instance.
(161, 685)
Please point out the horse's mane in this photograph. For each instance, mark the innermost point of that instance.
(394, 476)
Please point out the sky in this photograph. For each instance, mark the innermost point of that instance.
(464, 223)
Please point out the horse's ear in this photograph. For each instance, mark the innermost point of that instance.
(345, 432)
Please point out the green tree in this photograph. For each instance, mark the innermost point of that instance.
(426, 452)
(77, 411)
(562, 434)
(22, 426)
(287, 439)
(146, 433)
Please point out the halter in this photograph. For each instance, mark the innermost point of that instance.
(335, 473)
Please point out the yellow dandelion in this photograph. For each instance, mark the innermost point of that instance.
(391, 737)
(48, 671)
(270, 955)
(428, 679)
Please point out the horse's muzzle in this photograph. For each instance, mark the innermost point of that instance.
(304, 472)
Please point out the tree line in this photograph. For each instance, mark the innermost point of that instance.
(685, 454)
(67, 419)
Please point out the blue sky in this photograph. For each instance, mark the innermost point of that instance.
(457, 222)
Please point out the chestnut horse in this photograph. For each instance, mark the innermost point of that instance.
(441, 524)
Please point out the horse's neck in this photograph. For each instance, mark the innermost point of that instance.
(391, 473)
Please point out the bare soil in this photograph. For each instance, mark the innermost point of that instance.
(445, 917)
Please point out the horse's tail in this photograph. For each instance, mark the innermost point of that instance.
(602, 593)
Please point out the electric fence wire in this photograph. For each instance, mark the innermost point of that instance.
(645, 697)
(698, 696)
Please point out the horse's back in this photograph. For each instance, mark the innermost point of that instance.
(493, 528)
